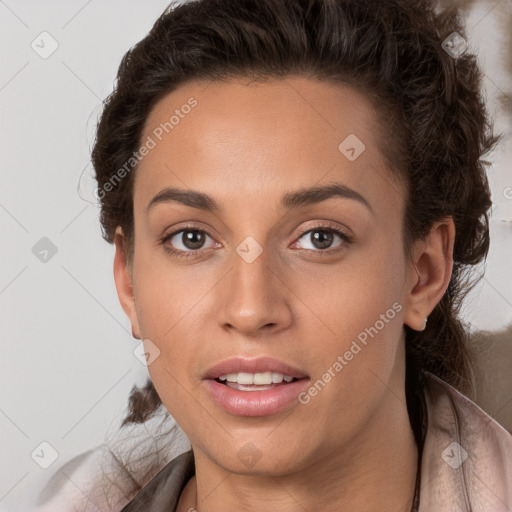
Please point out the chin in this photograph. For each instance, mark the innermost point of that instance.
(251, 458)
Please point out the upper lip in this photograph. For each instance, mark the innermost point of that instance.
(257, 365)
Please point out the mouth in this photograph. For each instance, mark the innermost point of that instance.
(259, 371)
(255, 387)
(255, 381)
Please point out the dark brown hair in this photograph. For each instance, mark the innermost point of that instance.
(433, 124)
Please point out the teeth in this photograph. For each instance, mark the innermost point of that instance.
(277, 377)
(256, 378)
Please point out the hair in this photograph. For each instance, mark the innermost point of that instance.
(433, 128)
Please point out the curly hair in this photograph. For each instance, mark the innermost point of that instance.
(433, 122)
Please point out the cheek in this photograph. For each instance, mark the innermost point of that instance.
(360, 309)
(168, 295)
(163, 301)
(174, 309)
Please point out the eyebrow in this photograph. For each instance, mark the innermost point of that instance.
(291, 200)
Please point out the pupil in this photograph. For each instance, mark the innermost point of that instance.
(322, 239)
(193, 239)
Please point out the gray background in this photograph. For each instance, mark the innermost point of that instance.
(67, 363)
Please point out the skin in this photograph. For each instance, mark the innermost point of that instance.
(246, 145)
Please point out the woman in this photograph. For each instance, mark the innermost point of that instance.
(296, 192)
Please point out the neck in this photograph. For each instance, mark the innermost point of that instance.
(377, 471)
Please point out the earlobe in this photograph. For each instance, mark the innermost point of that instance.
(430, 273)
(123, 281)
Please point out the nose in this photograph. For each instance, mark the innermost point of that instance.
(254, 297)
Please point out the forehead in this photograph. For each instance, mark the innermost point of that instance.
(242, 140)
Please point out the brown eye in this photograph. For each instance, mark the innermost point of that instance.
(192, 239)
(323, 238)
(186, 241)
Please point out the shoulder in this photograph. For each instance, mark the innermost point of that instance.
(467, 456)
(108, 476)
(78, 486)
(163, 492)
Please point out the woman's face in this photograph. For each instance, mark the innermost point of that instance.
(300, 265)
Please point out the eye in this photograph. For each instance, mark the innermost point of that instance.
(186, 242)
(322, 238)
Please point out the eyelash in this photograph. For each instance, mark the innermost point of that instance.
(347, 239)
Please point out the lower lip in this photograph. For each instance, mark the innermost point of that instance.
(256, 403)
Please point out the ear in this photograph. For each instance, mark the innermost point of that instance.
(429, 274)
(123, 280)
